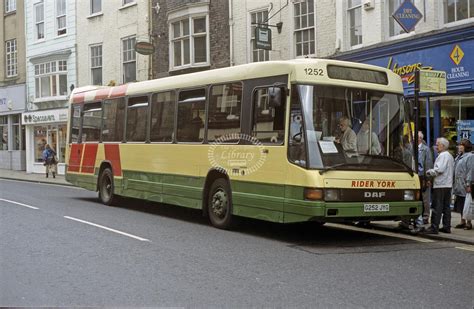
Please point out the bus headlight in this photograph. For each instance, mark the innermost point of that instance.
(409, 195)
(331, 195)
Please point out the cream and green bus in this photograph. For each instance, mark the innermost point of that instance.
(281, 141)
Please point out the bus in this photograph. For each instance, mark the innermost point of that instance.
(282, 141)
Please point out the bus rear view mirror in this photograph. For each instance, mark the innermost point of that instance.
(274, 96)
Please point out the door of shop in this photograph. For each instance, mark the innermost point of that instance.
(53, 141)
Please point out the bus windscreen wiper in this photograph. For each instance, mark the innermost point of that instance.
(399, 163)
(333, 167)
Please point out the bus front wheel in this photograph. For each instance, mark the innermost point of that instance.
(220, 204)
(106, 187)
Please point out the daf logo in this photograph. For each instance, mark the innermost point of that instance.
(374, 194)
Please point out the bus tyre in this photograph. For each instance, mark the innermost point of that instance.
(220, 204)
(106, 187)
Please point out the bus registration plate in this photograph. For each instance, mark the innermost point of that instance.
(376, 207)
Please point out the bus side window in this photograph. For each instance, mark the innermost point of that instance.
(162, 117)
(136, 119)
(75, 124)
(224, 112)
(113, 120)
(92, 116)
(268, 121)
(191, 115)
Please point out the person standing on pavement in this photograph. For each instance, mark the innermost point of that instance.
(49, 159)
(425, 162)
(461, 170)
(442, 172)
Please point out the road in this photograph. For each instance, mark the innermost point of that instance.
(60, 247)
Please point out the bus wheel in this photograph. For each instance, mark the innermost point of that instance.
(106, 187)
(220, 204)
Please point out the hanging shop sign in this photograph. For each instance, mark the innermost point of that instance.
(144, 48)
(465, 130)
(432, 81)
(407, 16)
(263, 38)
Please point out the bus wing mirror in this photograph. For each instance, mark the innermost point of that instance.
(275, 95)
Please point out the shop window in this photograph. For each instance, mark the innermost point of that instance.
(354, 15)
(224, 112)
(113, 119)
(458, 10)
(162, 117)
(16, 134)
(191, 112)
(258, 20)
(4, 132)
(304, 28)
(136, 119)
(268, 122)
(41, 139)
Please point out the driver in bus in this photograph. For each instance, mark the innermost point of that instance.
(348, 139)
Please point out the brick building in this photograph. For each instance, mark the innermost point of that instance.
(190, 36)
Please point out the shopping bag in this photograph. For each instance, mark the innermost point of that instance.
(468, 207)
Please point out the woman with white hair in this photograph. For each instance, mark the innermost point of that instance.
(442, 172)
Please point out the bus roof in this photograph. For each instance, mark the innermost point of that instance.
(294, 68)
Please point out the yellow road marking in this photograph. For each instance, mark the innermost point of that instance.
(468, 248)
(384, 233)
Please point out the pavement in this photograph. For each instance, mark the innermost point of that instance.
(456, 235)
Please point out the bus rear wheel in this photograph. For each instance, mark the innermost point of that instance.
(219, 204)
(106, 187)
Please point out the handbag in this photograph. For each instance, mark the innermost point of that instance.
(468, 207)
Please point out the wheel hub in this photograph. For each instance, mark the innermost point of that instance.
(219, 203)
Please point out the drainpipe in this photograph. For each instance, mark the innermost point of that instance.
(231, 34)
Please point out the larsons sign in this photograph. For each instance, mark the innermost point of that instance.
(45, 116)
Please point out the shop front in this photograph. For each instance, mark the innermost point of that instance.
(45, 127)
(12, 142)
(452, 114)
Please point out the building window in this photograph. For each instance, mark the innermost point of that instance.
(96, 6)
(51, 79)
(11, 58)
(129, 60)
(125, 2)
(189, 42)
(456, 10)
(258, 19)
(10, 6)
(39, 20)
(61, 16)
(16, 136)
(304, 28)
(394, 27)
(96, 64)
(354, 13)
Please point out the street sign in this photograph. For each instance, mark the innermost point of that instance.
(263, 38)
(144, 48)
(407, 15)
(432, 81)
